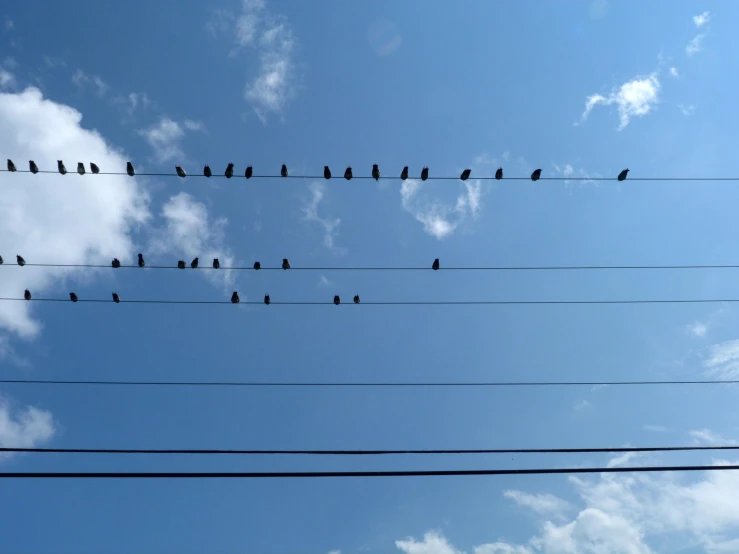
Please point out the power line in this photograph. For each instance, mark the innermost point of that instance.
(324, 474)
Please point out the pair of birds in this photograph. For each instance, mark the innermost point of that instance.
(337, 300)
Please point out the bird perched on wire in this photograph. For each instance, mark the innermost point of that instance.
(180, 171)
(404, 173)
(235, 298)
(499, 173)
(181, 264)
(216, 263)
(257, 266)
(623, 174)
(115, 263)
(424, 173)
(348, 174)
(129, 169)
(337, 300)
(27, 294)
(356, 299)
(194, 263)
(141, 260)
(11, 165)
(80, 168)
(283, 170)
(229, 171)
(266, 299)
(375, 172)
(60, 167)
(435, 265)
(206, 171)
(94, 168)
(116, 298)
(285, 264)
(248, 172)
(465, 174)
(536, 175)
(326, 172)
(19, 260)
(1, 260)
(32, 166)
(73, 297)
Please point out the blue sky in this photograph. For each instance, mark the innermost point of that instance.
(580, 89)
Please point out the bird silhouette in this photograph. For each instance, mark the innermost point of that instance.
(129, 169)
(435, 265)
(326, 172)
(73, 297)
(499, 173)
(1, 260)
(229, 171)
(19, 260)
(32, 166)
(116, 298)
(283, 170)
(536, 175)
(424, 173)
(80, 168)
(285, 264)
(181, 264)
(194, 263)
(27, 294)
(180, 171)
(216, 263)
(206, 171)
(141, 260)
(116, 263)
(356, 299)
(337, 300)
(60, 167)
(348, 174)
(235, 297)
(257, 266)
(94, 168)
(11, 165)
(266, 299)
(622, 175)
(248, 172)
(375, 172)
(465, 174)
(404, 173)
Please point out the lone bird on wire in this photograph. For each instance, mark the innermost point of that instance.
(285, 264)
(424, 173)
(337, 300)
(60, 167)
(32, 166)
(73, 297)
(115, 263)
(94, 168)
(27, 294)
(266, 299)
(235, 298)
(80, 168)
(141, 260)
(19, 260)
(623, 174)
(229, 171)
(1, 260)
(326, 172)
(435, 265)
(404, 173)
(129, 169)
(181, 264)
(536, 175)
(194, 263)
(465, 174)
(499, 173)
(348, 174)
(375, 172)
(116, 298)
(216, 263)
(11, 165)
(180, 171)
(283, 170)
(248, 172)
(356, 299)
(257, 266)
(206, 171)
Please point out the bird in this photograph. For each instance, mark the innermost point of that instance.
(375, 172)
(435, 265)
(180, 171)
(257, 266)
(424, 173)
(348, 174)
(116, 298)
(465, 174)
(141, 260)
(33, 167)
(404, 173)
(285, 264)
(283, 170)
(181, 264)
(11, 165)
(235, 298)
(206, 171)
(326, 172)
(337, 300)
(129, 169)
(622, 175)
(248, 172)
(266, 299)
(19, 259)
(194, 263)
(229, 171)
(94, 168)
(80, 168)
(116, 263)
(536, 174)
(216, 263)
(27, 294)
(73, 297)
(356, 299)
(60, 167)
(499, 173)
(1, 260)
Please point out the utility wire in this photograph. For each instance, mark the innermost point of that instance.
(319, 474)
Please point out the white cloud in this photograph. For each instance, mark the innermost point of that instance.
(542, 504)
(722, 361)
(686, 109)
(695, 45)
(82, 80)
(7, 80)
(697, 328)
(191, 125)
(440, 219)
(25, 428)
(701, 19)
(330, 226)
(432, 543)
(133, 101)
(708, 437)
(165, 138)
(53, 219)
(634, 98)
(674, 72)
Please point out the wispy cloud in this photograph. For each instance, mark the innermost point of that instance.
(656, 429)
(582, 405)
(697, 328)
(546, 505)
(165, 138)
(573, 175)
(722, 360)
(330, 226)
(7, 80)
(82, 80)
(324, 281)
(635, 98)
(702, 19)
(674, 72)
(696, 44)
(53, 62)
(705, 436)
(132, 102)
(686, 109)
(8, 24)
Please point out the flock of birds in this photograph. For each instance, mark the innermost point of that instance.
(535, 175)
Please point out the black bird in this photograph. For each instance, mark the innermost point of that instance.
(257, 266)
(499, 173)
(216, 263)
(33, 167)
(622, 175)
(435, 265)
(326, 172)
(180, 171)
(181, 264)
(229, 171)
(404, 173)
(60, 167)
(116, 263)
(194, 263)
(94, 168)
(206, 171)
(27, 294)
(348, 174)
(73, 297)
(465, 174)
(266, 299)
(141, 260)
(536, 174)
(80, 168)
(20, 260)
(283, 170)
(424, 173)
(285, 264)
(11, 165)
(129, 169)
(356, 299)
(248, 172)
(235, 297)
(1, 260)
(116, 298)
(337, 300)
(375, 172)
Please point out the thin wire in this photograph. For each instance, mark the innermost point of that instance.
(319, 474)
(364, 452)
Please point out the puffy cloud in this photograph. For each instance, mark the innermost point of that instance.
(633, 98)
(25, 428)
(702, 19)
